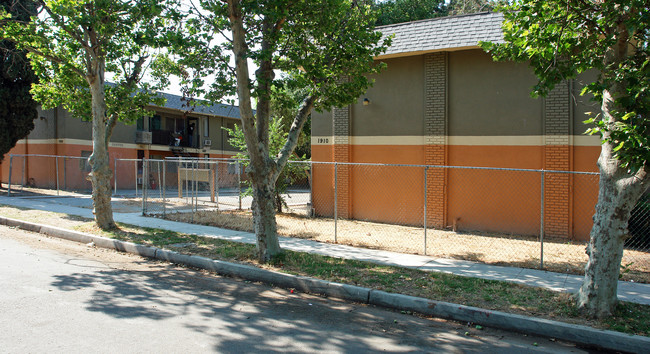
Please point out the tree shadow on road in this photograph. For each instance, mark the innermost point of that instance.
(242, 316)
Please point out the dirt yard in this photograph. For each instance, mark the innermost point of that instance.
(564, 257)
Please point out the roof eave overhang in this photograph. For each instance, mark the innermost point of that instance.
(186, 112)
(422, 52)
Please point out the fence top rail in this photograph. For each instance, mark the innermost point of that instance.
(56, 156)
(231, 160)
(455, 167)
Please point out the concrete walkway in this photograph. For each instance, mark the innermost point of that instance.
(627, 291)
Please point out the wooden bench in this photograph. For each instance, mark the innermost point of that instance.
(196, 175)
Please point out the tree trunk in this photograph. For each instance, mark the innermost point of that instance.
(101, 173)
(618, 194)
(266, 228)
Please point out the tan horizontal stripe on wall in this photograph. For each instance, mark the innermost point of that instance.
(122, 146)
(530, 140)
(586, 140)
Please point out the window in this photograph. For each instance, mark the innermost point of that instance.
(140, 124)
(175, 124)
(154, 123)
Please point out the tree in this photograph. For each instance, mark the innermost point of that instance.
(17, 108)
(460, 7)
(561, 39)
(398, 11)
(325, 46)
(284, 102)
(277, 137)
(73, 44)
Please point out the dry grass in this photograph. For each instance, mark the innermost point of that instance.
(507, 250)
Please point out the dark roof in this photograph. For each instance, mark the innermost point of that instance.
(443, 33)
(221, 110)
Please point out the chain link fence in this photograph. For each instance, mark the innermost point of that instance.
(513, 217)
(37, 175)
(191, 185)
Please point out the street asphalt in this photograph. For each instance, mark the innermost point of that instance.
(561, 282)
(59, 296)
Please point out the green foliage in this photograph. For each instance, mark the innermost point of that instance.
(292, 173)
(285, 102)
(562, 39)
(323, 49)
(67, 37)
(315, 44)
(398, 11)
(460, 7)
(17, 108)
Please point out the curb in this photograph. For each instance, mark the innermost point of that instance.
(574, 333)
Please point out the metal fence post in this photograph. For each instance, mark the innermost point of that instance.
(22, 176)
(115, 175)
(238, 166)
(65, 175)
(159, 180)
(144, 186)
(310, 212)
(336, 197)
(426, 169)
(56, 168)
(163, 187)
(11, 159)
(135, 171)
(216, 183)
(541, 228)
(187, 191)
(193, 186)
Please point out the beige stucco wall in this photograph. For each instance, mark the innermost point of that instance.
(488, 98)
(44, 125)
(396, 101)
(321, 123)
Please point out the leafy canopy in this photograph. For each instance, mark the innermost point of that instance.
(68, 35)
(17, 108)
(564, 38)
(398, 11)
(314, 43)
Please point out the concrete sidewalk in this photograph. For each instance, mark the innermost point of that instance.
(627, 291)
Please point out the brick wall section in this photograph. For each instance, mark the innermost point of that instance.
(341, 121)
(435, 131)
(557, 194)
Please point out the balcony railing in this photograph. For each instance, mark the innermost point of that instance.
(169, 138)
